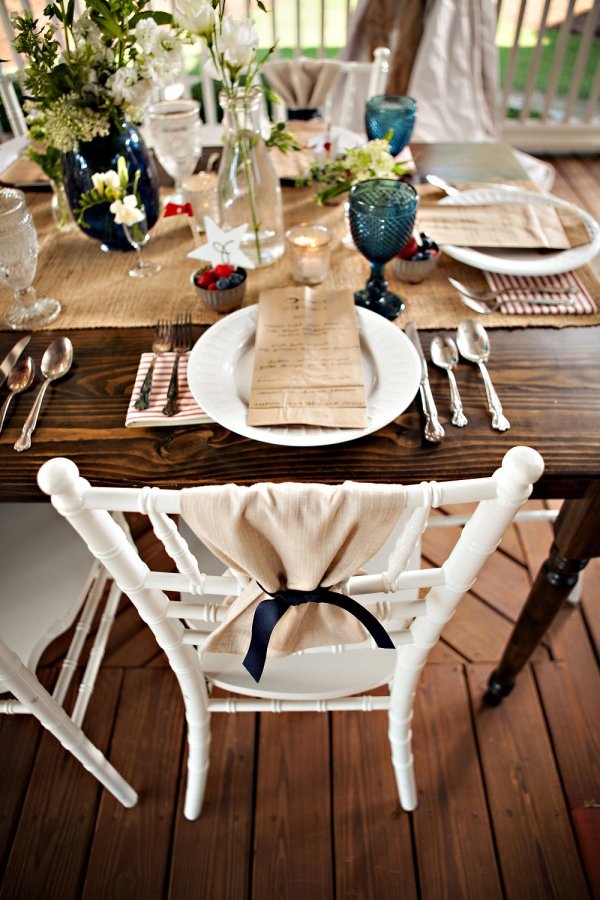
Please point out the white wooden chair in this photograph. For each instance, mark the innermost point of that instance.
(48, 581)
(319, 677)
(12, 145)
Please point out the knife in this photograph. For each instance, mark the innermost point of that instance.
(12, 357)
(433, 430)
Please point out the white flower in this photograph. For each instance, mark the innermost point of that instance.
(126, 211)
(239, 40)
(128, 85)
(106, 182)
(196, 16)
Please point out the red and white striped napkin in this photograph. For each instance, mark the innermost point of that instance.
(189, 411)
(512, 304)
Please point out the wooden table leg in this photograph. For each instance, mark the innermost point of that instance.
(576, 541)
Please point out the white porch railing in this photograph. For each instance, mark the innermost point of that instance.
(553, 108)
(564, 114)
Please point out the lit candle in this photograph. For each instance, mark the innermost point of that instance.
(310, 247)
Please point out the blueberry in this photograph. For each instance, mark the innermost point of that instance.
(223, 284)
(236, 279)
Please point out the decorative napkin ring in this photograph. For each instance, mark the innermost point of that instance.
(269, 612)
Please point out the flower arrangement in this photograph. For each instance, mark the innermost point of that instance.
(234, 60)
(233, 55)
(336, 176)
(113, 187)
(82, 74)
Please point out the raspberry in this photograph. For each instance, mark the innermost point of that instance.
(410, 248)
(224, 270)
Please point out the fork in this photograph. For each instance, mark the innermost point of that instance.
(161, 343)
(485, 296)
(182, 342)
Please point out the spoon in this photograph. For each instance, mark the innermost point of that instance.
(19, 379)
(442, 185)
(444, 354)
(474, 345)
(476, 300)
(56, 362)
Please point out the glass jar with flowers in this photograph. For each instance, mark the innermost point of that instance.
(86, 80)
(248, 186)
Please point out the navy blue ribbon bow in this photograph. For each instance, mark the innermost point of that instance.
(270, 611)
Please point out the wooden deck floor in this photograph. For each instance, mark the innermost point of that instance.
(304, 806)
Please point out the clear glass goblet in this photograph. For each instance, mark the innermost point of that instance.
(138, 236)
(382, 216)
(18, 262)
(176, 136)
(386, 113)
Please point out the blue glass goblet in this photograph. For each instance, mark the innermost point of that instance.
(390, 113)
(382, 216)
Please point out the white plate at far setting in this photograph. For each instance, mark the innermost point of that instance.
(522, 262)
(220, 375)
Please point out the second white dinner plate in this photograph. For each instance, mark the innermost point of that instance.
(523, 262)
(220, 369)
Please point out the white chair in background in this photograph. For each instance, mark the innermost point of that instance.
(48, 581)
(303, 538)
(12, 146)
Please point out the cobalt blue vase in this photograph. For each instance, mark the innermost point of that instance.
(100, 155)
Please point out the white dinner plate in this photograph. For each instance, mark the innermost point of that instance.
(220, 374)
(523, 262)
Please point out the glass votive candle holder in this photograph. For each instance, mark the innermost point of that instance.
(310, 249)
(201, 191)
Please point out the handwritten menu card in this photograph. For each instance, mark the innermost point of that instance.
(307, 362)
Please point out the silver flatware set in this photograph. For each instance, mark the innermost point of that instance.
(19, 375)
(168, 337)
(472, 344)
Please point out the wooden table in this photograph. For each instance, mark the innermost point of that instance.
(548, 380)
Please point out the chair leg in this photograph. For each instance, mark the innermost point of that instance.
(402, 696)
(18, 679)
(400, 735)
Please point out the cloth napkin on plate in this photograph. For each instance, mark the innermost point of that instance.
(189, 411)
(513, 304)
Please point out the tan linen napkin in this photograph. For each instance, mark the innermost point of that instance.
(533, 287)
(307, 362)
(189, 411)
(303, 83)
(506, 225)
(297, 536)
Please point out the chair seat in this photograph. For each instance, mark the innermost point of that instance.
(44, 565)
(312, 675)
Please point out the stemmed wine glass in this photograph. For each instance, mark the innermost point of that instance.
(138, 236)
(385, 113)
(176, 136)
(18, 261)
(382, 216)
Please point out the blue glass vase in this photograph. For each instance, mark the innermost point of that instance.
(100, 155)
(386, 113)
(382, 216)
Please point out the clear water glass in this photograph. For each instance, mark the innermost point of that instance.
(138, 236)
(176, 137)
(18, 263)
(382, 216)
(386, 113)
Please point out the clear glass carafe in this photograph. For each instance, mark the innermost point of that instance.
(248, 185)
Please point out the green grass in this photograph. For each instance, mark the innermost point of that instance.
(549, 46)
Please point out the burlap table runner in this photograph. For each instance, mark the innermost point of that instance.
(96, 291)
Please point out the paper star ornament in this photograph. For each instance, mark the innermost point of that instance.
(223, 246)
